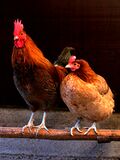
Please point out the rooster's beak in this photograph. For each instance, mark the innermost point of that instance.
(16, 37)
(68, 66)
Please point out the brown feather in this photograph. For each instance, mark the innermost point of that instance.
(35, 77)
(87, 94)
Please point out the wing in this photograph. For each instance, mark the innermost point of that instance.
(101, 85)
(37, 88)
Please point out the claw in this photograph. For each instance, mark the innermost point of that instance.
(41, 126)
(76, 126)
(27, 126)
(92, 127)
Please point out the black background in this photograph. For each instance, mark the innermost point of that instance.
(91, 27)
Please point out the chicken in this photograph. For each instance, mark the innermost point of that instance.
(35, 77)
(86, 94)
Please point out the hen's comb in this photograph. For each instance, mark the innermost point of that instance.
(72, 59)
(18, 26)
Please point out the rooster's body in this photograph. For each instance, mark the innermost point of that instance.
(35, 77)
(86, 93)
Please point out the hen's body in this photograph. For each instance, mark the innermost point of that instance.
(84, 100)
(87, 94)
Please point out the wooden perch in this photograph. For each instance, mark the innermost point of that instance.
(55, 134)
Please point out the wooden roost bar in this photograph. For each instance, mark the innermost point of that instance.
(56, 134)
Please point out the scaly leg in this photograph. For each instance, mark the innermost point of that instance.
(76, 126)
(92, 127)
(42, 125)
(30, 123)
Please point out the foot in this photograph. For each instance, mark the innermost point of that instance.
(76, 126)
(30, 124)
(92, 127)
(42, 125)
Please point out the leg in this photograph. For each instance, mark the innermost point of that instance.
(76, 126)
(30, 123)
(92, 127)
(42, 125)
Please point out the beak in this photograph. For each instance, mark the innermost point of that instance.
(16, 37)
(68, 66)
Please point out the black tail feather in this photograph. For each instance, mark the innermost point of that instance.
(64, 57)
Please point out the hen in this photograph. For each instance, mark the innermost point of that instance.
(35, 77)
(86, 94)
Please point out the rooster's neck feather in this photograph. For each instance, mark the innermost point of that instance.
(31, 55)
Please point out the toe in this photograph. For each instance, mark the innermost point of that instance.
(71, 131)
(78, 129)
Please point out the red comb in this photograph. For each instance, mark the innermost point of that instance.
(18, 26)
(72, 59)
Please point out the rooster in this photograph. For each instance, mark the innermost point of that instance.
(35, 77)
(86, 94)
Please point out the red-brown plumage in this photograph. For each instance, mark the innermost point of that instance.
(35, 77)
(86, 93)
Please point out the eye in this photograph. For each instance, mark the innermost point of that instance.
(21, 33)
(75, 64)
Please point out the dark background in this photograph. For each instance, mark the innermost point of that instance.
(92, 27)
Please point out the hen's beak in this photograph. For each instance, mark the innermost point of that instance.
(68, 66)
(16, 37)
